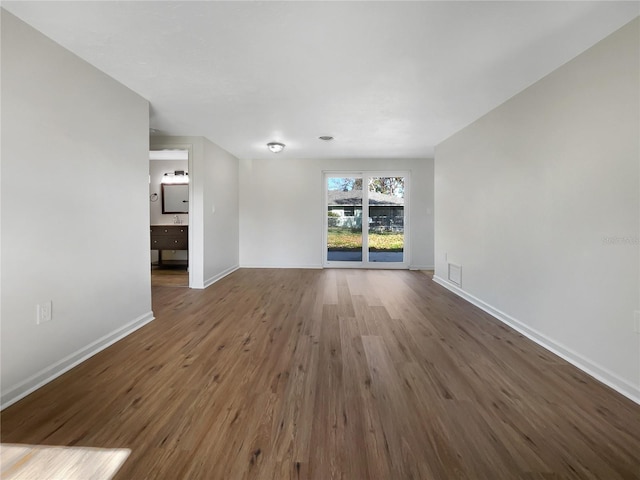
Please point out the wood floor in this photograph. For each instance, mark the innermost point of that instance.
(173, 276)
(333, 374)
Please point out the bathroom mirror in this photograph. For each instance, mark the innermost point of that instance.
(175, 198)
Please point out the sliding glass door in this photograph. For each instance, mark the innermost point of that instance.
(344, 219)
(386, 219)
(365, 223)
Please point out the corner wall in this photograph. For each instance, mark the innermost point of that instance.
(74, 212)
(539, 203)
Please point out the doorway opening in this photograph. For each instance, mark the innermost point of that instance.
(366, 220)
(169, 216)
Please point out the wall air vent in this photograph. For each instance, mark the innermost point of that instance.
(455, 274)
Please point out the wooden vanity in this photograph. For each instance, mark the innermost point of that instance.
(169, 237)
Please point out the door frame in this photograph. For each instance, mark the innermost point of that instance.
(365, 263)
(192, 257)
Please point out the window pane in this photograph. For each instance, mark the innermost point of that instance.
(344, 210)
(386, 219)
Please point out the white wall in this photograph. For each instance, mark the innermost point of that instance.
(213, 236)
(75, 211)
(282, 211)
(220, 213)
(539, 202)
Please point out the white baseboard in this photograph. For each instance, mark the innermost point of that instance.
(220, 276)
(320, 267)
(312, 267)
(44, 376)
(599, 372)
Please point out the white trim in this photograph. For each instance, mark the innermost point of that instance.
(192, 221)
(166, 154)
(52, 372)
(220, 276)
(598, 372)
(297, 267)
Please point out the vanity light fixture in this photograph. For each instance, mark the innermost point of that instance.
(177, 176)
(275, 147)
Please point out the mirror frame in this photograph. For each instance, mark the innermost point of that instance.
(164, 210)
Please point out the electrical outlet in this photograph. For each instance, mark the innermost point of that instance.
(636, 321)
(44, 312)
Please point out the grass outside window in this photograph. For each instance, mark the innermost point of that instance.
(341, 239)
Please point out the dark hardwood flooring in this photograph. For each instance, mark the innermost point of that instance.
(333, 374)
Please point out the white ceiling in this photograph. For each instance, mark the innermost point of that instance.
(387, 79)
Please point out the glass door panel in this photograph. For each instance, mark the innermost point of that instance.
(344, 219)
(366, 220)
(386, 219)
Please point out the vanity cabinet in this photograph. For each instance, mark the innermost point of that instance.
(169, 237)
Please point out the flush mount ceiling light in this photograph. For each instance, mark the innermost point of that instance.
(275, 147)
(326, 138)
